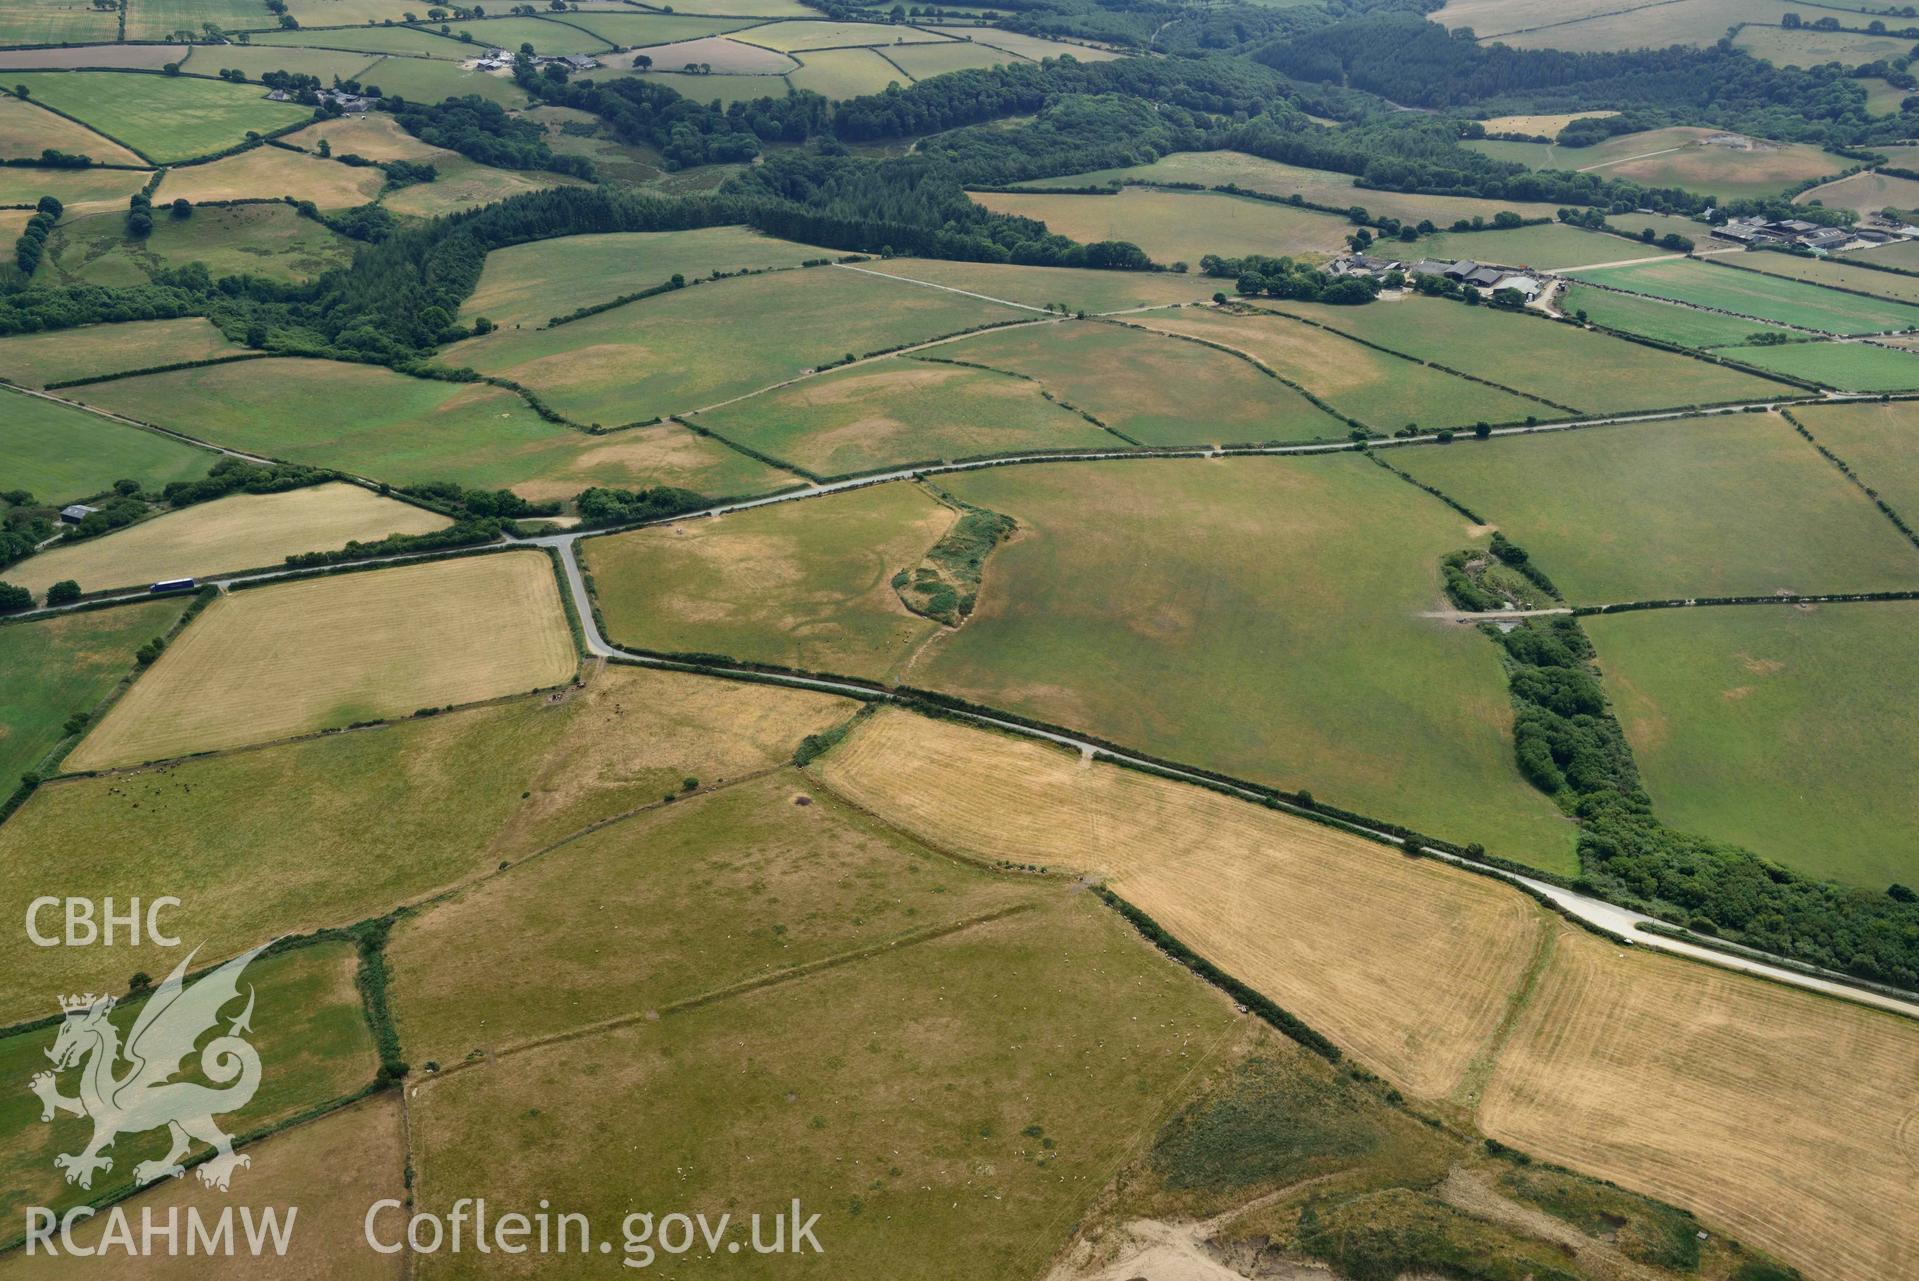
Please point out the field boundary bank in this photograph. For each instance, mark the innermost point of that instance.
(1886, 509)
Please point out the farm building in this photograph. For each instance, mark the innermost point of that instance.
(76, 513)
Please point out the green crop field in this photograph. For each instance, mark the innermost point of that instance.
(1770, 727)
(842, 73)
(1152, 388)
(60, 454)
(387, 426)
(1386, 392)
(164, 118)
(1095, 292)
(1686, 157)
(1130, 608)
(898, 411)
(1319, 186)
(308, 1025)
(1880, 442)
(1180, 226)
(1666, 322)
(1752, 293)
(159, 19)
(691, 349)
(1847, 366)
(1548, 248)
(1836, 272)
(529, 284)
(1590, 372)
(804, 585)
(62, 666)
(261, 240)
(1737, 505)
(39, 359)
(55, 22)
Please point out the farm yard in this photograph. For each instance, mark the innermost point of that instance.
(1178, 226)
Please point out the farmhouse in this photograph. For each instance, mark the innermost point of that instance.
(1363, 265)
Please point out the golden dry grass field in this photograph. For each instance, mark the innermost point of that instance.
(321, 653)
(270, 173)
(27, 129)
(375, 135)
(34, 360)
(1408, 965)
(1179, 226)
(1787, 1117)
(246, 531)
(1547, 126)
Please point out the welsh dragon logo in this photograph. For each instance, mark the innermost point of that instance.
(141, 1096)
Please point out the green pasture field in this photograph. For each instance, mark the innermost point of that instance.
(1384, 391)
(790, 37)
(158, 19)
(466, 184)
(38, 359)
(545, 37)
(844, 73)
(749, 8)
(256, 61)
(61, 454)
(1836, 272)
(1152, 388)
(26, 130)
(1037, 47)
(955, 1103)
(1633, 224)
(432, 80)
(631, 30)
(307, 1025)
(1728, 506)
(78, 189)
(725, 90)
(900, 411)
(55, 22)
(616, 163)
(1207, 612)
(1589, 371)
(396, 40)
(681, 351)
(1809, 48)
(1320, 186)
(1541, 24)
(1664, 321)
(1753, 293)
(923, 61)
(803, 584)
(1845, 366)
(384, 425)
(261, 240)
(713, 55)
(1879, 441)
(1864, 193)
(531, 283)
(1770, 727)
(337, 13)
(1546, 248)
(1072, 288)
(1181, 226)
(1681, 157)
(61, 666)
(1882, 96)
(803, 883)
(165, 118)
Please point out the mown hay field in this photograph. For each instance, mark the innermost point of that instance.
(333, 1168)
(271, 173)
(1684, 156)
(377, 423)
(58, 667)
(260, 240)
(957, 1102)
(60, 454)
(1843, 365)
(1074, 288)
(1879, 442)
(1546, 126)
(55, 22)
(897, 411)
(1152, 388)
(802, 584)
(842, 73)
(1587, 371)
(164, 118)
(26, 130)
(1664, 321)
(375, 135)
(1729, 506)
(1649, 1070)
(1770, 728)
(532, 283)
(245, 531)
(796, 885)
(694, 348)
(325, 652)
(1836, 272)
(1205, 612)
(152, 57)
(1384, 391)
(1404, 963)
(406, 810)
(80, 190)
(38, 359)
(310, 1030)
(1752, 293)
(1865, 193)
(1180, 226)
(1319, 186)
